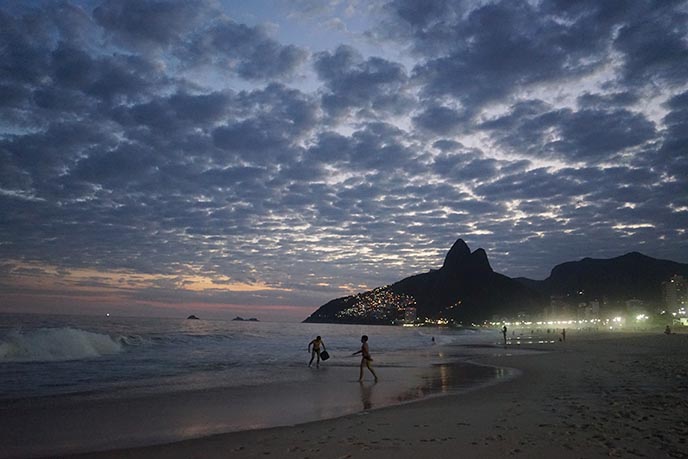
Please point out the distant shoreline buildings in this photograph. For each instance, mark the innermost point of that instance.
(630, 312)
(465, 291)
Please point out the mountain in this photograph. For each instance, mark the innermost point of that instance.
(464, 290)
(633, 275)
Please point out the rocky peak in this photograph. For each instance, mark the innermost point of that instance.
(460, 259)
(479, 262)
(457, 255)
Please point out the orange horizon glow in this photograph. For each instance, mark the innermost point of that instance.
(42, 287)
(96, 305)
(38, 276)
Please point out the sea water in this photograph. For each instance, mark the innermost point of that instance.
(151, 380)
(117, 356)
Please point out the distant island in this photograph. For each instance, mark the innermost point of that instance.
(192, 317)
(241, 319)
(466, 291)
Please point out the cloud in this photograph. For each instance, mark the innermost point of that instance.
(279, 119)
(197, 34)
(116, 78)
(672, 157)
(356, 83)
(375, 147)
(589, 134)
(483, 52)
(145, 23)
(248, 51)
(440, 120)
(654, 45)
(171, 139)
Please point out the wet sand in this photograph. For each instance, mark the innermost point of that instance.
(61, 425)
(592, 396)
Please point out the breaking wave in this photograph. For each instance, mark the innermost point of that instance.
(55, 344)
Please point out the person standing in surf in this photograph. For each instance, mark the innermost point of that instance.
(366, 359)
(315, 353)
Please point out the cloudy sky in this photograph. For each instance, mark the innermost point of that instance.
(261, 158)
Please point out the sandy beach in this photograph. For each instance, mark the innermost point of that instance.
(604, 395)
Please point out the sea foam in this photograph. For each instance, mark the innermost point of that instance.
(55, 344)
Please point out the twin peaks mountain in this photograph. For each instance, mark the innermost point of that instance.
(466, 289)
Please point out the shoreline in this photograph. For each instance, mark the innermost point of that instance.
(592, 396)
(59, 425)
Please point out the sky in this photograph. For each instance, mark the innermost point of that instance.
(260, 158)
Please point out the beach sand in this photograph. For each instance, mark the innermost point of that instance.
(605, 395)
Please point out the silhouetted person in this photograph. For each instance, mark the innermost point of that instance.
(504, 333)
(316, 343)
(365, 358)
(667, 330)
(563, 334)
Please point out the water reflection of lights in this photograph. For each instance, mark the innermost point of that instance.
(530, 340)
(444, 379)
(501, 373)
(529, 323)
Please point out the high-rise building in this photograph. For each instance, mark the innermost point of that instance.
(589, 310)
(675, 292)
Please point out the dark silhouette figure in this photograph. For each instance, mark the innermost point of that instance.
(315, 353)
(504, 333)
(366, 359)
(667, 330)
(563, 334)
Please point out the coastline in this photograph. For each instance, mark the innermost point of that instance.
(50, 426)
(603, 395)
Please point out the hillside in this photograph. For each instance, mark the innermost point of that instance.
(464, 290)
(632, 275)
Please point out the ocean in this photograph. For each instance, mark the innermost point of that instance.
(153, 380)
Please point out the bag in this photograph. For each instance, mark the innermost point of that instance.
(324, 355)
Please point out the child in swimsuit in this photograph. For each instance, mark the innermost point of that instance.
(366, 358)
(316, 343)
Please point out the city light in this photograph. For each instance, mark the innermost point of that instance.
(380, 304)
(385, 306)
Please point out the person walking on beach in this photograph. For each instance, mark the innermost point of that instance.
(504, 333)
(315, 353)
(365, 358)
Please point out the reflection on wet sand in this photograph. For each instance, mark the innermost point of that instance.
(367, 394)
(452, 377)
(331, 392)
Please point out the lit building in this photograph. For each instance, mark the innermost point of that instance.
(558, 308)
(589, 310)
(675, 293)
(635, 306)
(409, 315)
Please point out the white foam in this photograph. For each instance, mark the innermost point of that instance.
(55, 344)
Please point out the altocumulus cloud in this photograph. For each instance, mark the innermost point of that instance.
(176, 151)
